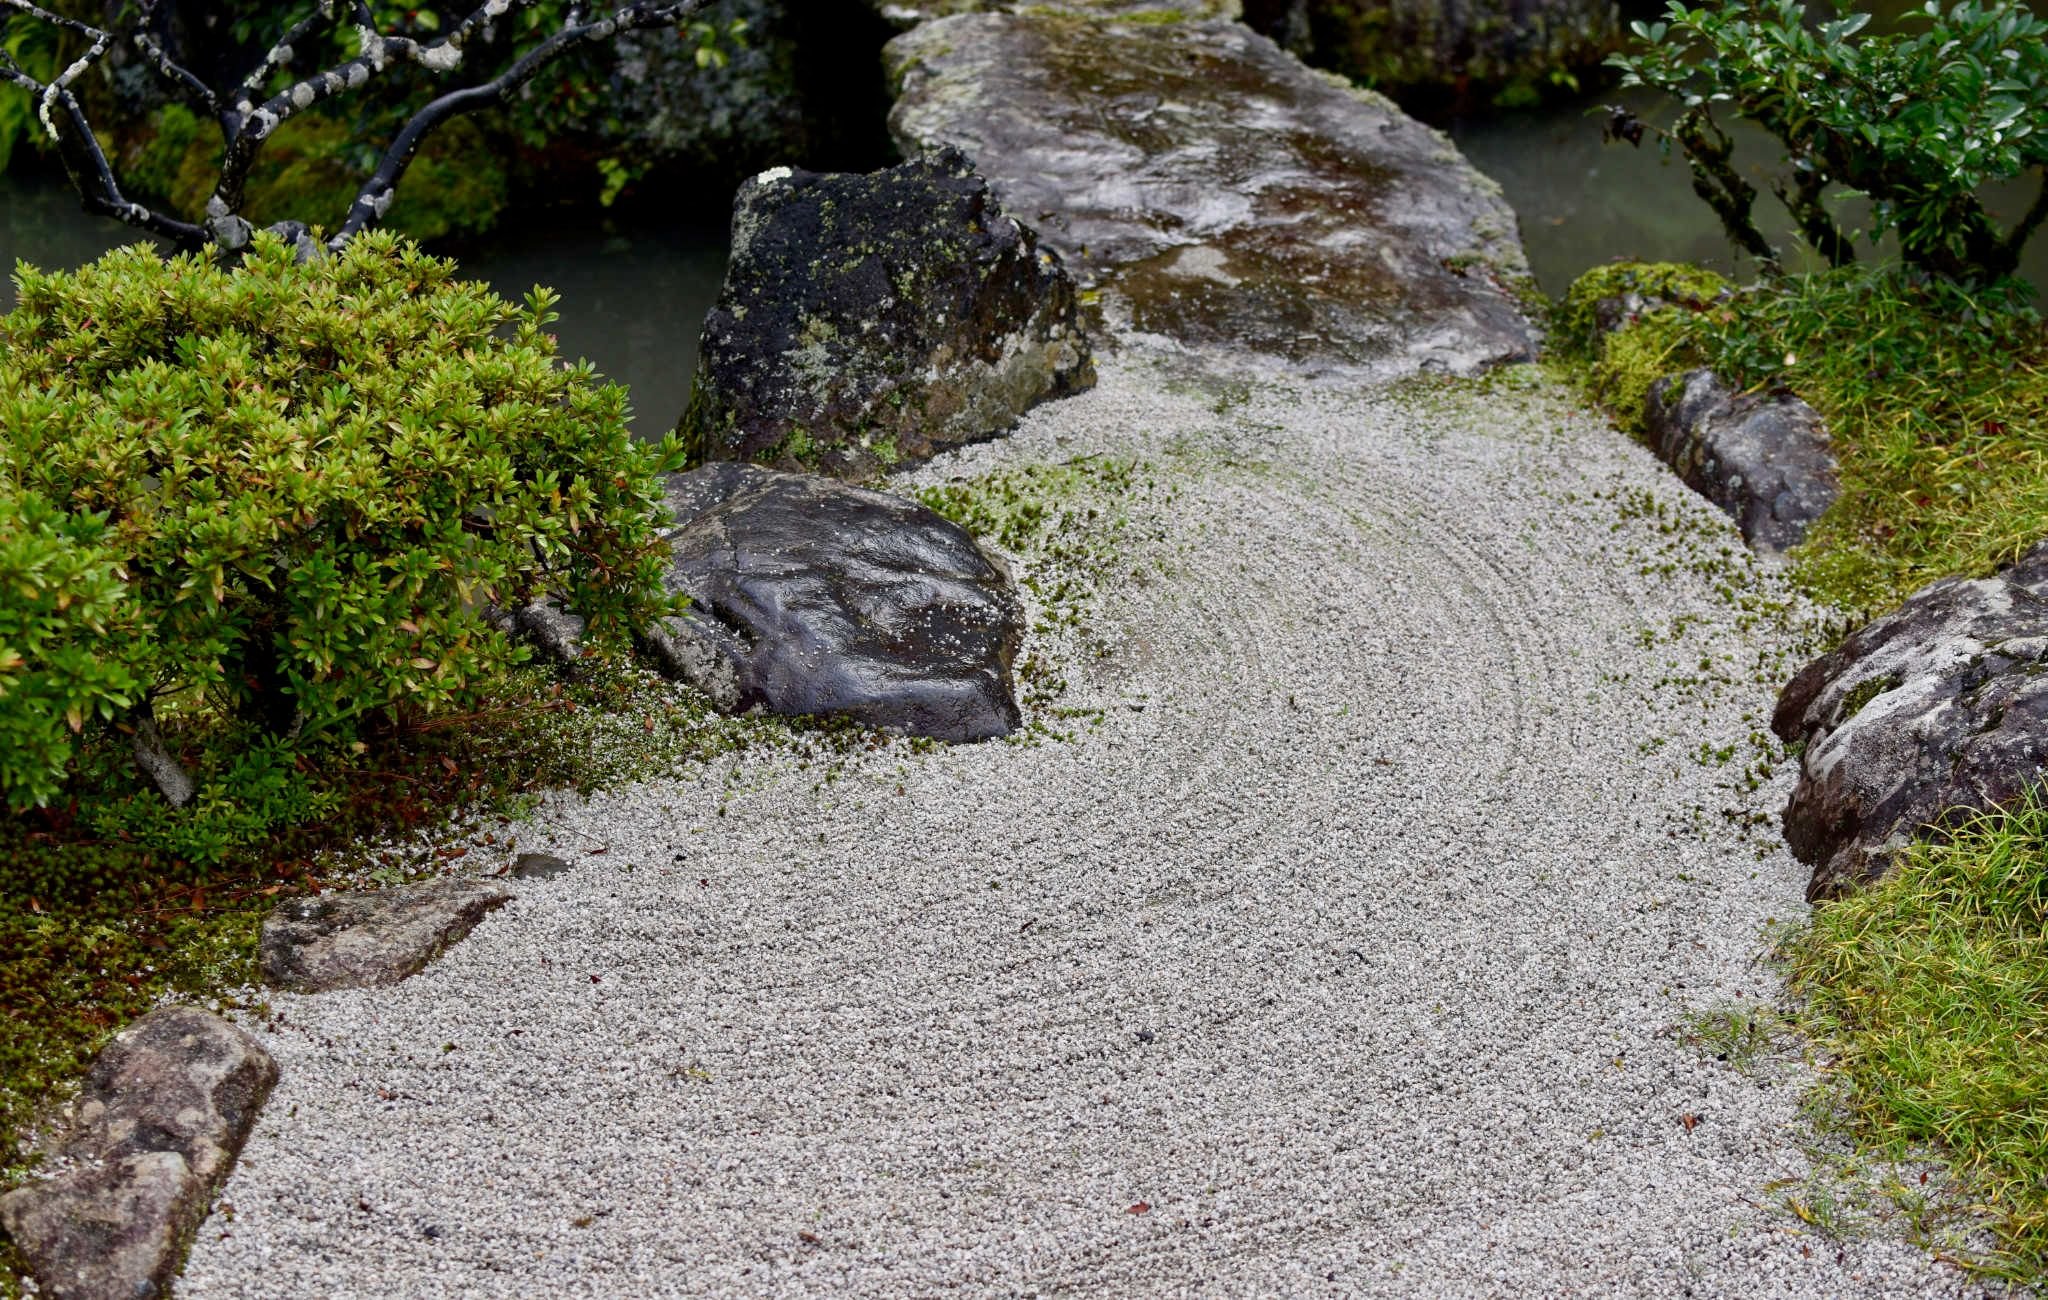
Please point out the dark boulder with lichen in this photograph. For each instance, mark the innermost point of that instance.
(1923, 717)
(809, 596)
(869, 320)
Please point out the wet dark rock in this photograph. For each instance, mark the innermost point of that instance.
(1764, 459)
(1440, 57)
(1223, 197)
(812, 597)
(1938, 709)
(869, 320)
(153, 1133)
(360, 940)
(538, 866)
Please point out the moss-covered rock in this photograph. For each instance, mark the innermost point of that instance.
(869, 320)
(1218, 195)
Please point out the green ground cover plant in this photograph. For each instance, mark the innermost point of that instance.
(1929, 994)
(1935, 395)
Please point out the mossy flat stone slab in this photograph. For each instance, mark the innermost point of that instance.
(1219, 195)
(909, 13)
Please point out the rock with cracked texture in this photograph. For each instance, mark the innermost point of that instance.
(1763, 458)
(361, 940)
(1937, 710)
(909, 13)
(870, 320)
(1221, 196)
(812, 597)
(153, 1133)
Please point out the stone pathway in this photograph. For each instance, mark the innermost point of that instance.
(1349, 953)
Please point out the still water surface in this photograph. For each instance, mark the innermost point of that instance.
(634, 292)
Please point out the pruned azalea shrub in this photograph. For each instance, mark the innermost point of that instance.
(276, 502)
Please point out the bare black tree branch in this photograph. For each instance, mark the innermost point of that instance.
(247, 121)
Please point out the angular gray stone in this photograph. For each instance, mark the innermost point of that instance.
(1764, 459)
(868, 320)
(1938, 709)
(1220, 195)
(812, 597)
(153, 1133)
(360, 940)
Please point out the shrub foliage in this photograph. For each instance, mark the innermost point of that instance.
(285, 494)
(1916, 120)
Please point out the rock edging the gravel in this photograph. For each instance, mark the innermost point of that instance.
(1765, 459)
(1932, 712)
(163, 1112)
(362, 940)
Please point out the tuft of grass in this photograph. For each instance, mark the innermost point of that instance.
(1929, 992)
(1741, 1036)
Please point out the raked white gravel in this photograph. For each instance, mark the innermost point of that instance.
(1348, 955)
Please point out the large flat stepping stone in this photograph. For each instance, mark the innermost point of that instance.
(154, 1131)
(870, 320)
(362, 940)
(1936, 710)
(813, 597)
(1223, 196)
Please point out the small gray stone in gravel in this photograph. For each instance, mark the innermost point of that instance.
(1937, 709)
(338, 941)
(161, 1116)
(1763, 459)
(538, 866)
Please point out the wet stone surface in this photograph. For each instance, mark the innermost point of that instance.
(153, 1133)
(1763, 458)
(868, 320)
(812, 597)
(1937, 709)
(362, 940)
(1221, 195)
(909, 13)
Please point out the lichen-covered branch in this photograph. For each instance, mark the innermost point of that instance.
(374, 200)
(249, 112)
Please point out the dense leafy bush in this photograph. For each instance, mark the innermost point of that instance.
(285, 493)
(1917, 121)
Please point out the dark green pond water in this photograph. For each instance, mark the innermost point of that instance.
(1582, 202)
(634, 292)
